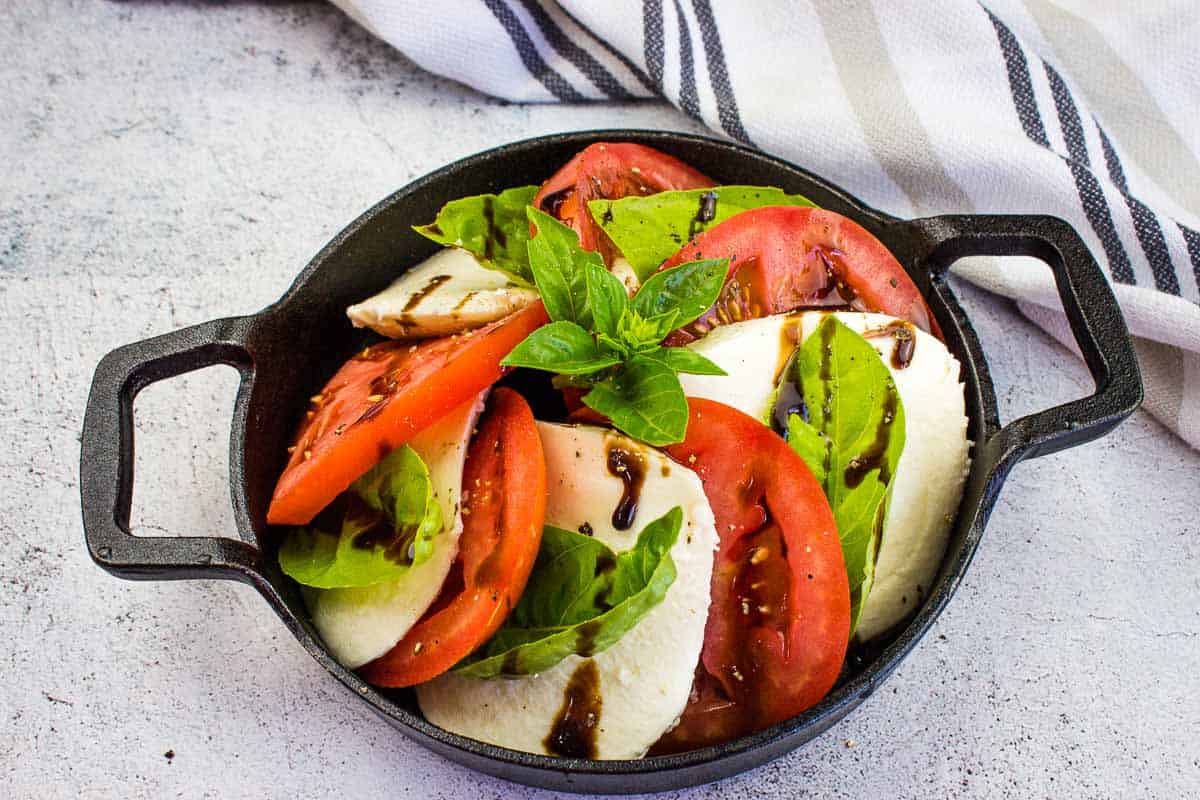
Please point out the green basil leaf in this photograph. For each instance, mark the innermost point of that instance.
(561, 347)
(660, 325)
(606, 298)
(637, 568)
(559, 269)
(596, 327)
(492, 227)
(639, 334)
(580, 600)
(681, 359)
(645, 400)
(689, 288)
(852, 440)
(388, 524)
(811, 445)
(650, 229)
(616, 344)
(572, 572)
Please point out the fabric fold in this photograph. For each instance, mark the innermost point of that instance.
(1008, 106)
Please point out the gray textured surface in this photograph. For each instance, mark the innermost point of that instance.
(165, 163)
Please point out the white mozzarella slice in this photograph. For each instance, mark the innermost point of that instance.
(645, 678)
(361, 624)
(447, 293)
(752, 353)
(933, 465)
(929, 478)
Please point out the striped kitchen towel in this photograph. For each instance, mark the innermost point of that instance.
(1088, 111)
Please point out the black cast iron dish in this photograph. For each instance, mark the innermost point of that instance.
(287, 351)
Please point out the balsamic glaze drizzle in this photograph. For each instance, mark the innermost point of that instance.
(630, 467)
(576, 727)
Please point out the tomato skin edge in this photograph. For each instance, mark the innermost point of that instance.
(785, 245)
(308, 485)
(507, 450)
(611, 170)
(802, 663)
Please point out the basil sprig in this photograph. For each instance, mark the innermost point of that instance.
(649, 229)
(602, 339)
(389, 518)
(852, 441)
(491, 227)
(581, 599)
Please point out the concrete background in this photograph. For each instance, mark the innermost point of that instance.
(168, 162)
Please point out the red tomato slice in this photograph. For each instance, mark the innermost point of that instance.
(379, 399)
(779, 623)
(788, 257)
(612, 171)
(504, 508)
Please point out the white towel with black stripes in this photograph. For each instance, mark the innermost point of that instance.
(1087, 111)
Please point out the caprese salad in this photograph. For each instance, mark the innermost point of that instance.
(750, 451)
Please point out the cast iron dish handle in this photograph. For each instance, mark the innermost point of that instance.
(1097, 325)
(106, 458)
